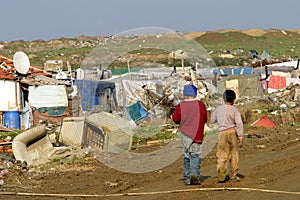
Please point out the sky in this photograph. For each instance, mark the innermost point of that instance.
(51, 19)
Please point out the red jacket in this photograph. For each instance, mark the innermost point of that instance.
(192, 116)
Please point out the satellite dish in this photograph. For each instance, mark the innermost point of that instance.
(21, 62)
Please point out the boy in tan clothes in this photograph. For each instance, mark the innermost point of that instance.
(230, 127)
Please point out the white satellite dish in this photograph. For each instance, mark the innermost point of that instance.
(21, 62)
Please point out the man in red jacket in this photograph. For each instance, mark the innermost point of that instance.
(191, 114)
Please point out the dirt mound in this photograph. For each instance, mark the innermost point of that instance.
(279, 34)
(237, 37)
(226, 36)
(250, 32)
(194, 35)
(212, 37)
(226, 31)
(295, 31)
(255, 32)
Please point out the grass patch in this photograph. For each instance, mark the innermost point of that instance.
(149, 51)
(210, 132)
(153, 132)
(12, 134)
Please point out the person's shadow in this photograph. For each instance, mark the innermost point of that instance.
(203, 178)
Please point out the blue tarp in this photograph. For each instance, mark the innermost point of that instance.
(90, 92)
(234, 71)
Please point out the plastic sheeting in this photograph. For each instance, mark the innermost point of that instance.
(94, 93)
(48, 96)
(244, 85)
(131, 91)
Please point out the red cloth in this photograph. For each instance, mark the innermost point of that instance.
(192, 116)
(277, 82)
(265, 122)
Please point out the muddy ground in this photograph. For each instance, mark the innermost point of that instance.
(269, 162)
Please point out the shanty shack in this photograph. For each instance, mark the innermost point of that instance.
(28, 98)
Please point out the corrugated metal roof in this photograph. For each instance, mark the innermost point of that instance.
(43, 80)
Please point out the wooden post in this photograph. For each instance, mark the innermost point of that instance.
(128, 66)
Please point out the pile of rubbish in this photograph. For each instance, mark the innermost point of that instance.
(282, 107)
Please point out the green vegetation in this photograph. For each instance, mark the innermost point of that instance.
(149, 51)
(281, 45)
(211, 132)
(150, 132)
(12, 134)
(154, 132)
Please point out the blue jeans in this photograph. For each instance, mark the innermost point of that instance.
(191, 159)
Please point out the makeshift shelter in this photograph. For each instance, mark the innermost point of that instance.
(153, 91)
(265, 122)
(286, 69)
(129, 91)
(294, 64)
(243, 85)
(158, 90)
(14, 105)
(48, 102)
(291, 67)
(96, 93)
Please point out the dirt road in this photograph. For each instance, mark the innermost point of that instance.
(269, 162)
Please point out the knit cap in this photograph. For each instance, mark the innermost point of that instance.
(190, 90)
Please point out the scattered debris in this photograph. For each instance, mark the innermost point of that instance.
(260, 146)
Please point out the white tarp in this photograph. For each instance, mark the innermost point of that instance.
(285, 64)
(131, 91)
(48, 96)
(10, 95)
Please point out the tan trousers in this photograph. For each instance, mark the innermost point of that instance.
(227, 152)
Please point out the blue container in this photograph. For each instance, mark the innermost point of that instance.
(12, 119)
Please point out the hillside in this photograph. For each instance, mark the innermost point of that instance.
(280, 43)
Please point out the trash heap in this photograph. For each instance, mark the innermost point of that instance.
(282, 107)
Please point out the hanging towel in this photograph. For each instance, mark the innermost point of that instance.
(277, 82)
